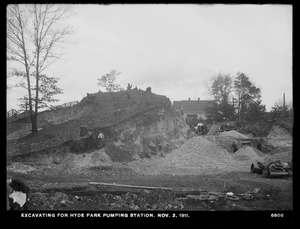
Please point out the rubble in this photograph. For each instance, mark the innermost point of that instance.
(279, 137)
(285, 156)
(249, 154)
(129, 201)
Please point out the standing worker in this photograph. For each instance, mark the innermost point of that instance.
(234, 147)
(101, 140)
(259, 144)
(203, 129)
(199, 128)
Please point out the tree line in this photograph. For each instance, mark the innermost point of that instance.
(236, 98)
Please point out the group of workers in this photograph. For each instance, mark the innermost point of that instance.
(100, 139)
(200, 129)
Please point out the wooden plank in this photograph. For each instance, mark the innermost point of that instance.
(130, 186)
(175, 189)
(212, 130)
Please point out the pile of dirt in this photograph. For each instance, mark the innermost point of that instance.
(140, 122)
(286, 156)
(107, 109)
(248, 153)
(97, 158)
(233, 133)
(195, 156)
(224, 142)
(279, 137)
(279, 133)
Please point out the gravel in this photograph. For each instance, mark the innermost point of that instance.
(249, 153)
(279, 137)
(286, 156)
(278, 132)
(195, 156)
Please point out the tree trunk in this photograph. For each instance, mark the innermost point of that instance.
(33, 117)
(37, 77)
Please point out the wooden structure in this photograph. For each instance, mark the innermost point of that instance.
(213, 130)
(12, 113)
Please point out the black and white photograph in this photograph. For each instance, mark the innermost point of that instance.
(149, 110)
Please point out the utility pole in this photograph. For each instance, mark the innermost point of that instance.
(283, 101)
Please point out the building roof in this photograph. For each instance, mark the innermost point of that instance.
(193, 106)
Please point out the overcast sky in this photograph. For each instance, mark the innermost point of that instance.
(175, 49)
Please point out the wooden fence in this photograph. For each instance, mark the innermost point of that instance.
(12, 113)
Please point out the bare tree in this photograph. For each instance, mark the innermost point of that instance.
(220, 87)
(34, 35)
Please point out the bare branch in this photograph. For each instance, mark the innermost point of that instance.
(34, 33)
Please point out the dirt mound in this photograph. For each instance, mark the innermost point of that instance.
(116, 154)
(279, 137)
(278, 132)
(97, 158)
(112, 108)
(141, 122)
(286, 156)
(233, 133)
(248, 153)
(196, 156)
(224, 142)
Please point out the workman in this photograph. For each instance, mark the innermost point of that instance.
(199, 128)
(203, 129)
(91, 140)
(101, 140)
(234, 147)
(259, 145)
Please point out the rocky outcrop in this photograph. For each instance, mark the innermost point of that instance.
(155, 132)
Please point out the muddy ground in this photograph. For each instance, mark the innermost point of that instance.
(58, 188)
